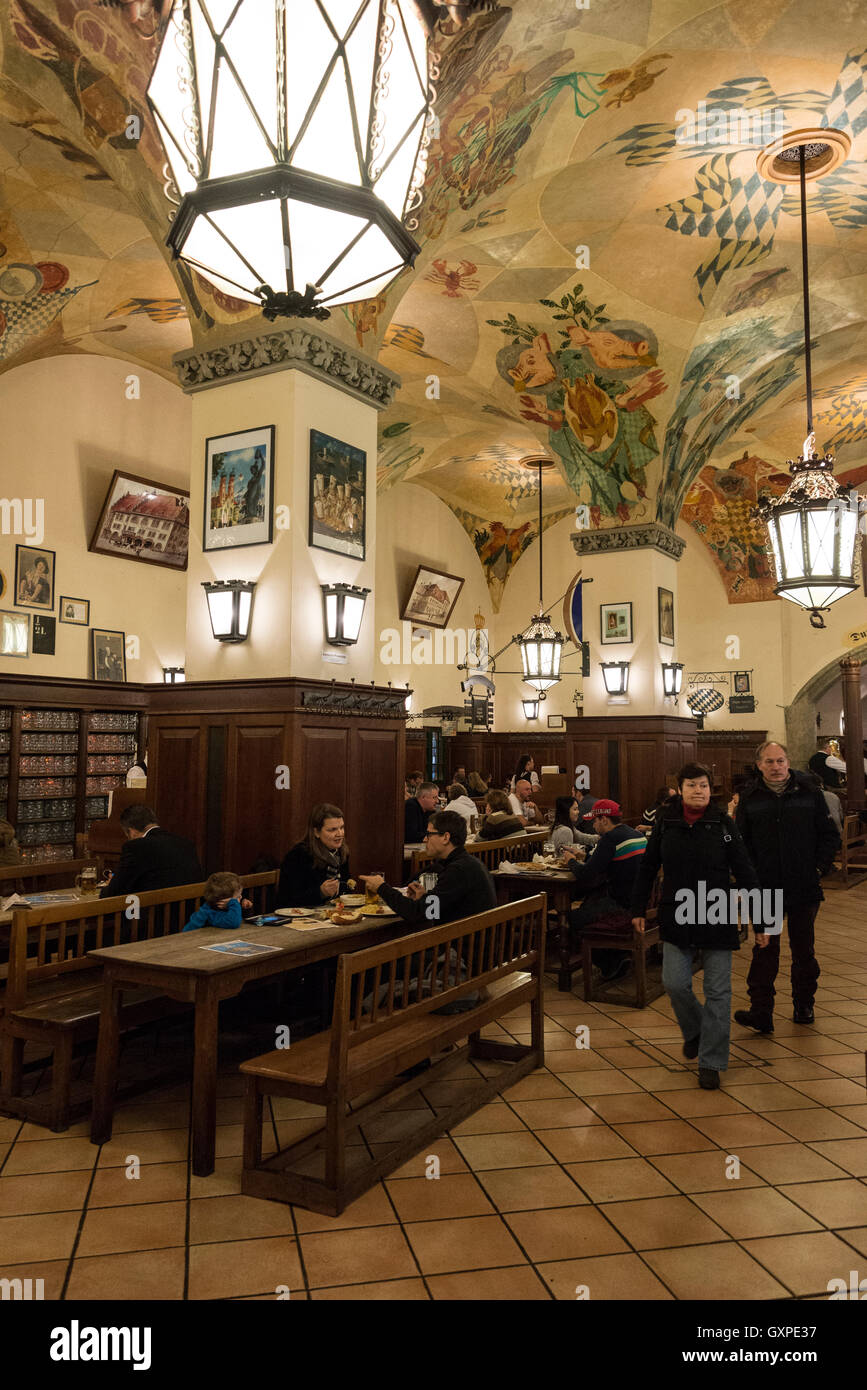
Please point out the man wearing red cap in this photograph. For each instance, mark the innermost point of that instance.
(607, 879)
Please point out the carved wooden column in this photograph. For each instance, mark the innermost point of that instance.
(851, 675)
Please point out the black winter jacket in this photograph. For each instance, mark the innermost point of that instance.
(302, 876)
(464, 887)
(708, 852)
(791, 838)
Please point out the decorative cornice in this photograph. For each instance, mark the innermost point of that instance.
(369, 702)
(307, 350)
(649, 535)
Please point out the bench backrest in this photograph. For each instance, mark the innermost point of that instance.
(469, 953)
(32, 876)
(518, 848)
(52, 941)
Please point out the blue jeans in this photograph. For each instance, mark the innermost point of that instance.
(710, 1022)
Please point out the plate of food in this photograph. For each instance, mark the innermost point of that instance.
(377, 909)
(294, 911)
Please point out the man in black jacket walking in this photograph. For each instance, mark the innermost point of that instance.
(790, 837)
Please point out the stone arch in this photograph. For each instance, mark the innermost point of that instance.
(800, 719)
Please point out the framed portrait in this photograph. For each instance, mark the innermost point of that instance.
(615, 622)
(665, 615)
(742, 682)
(107, 655)
(432, 597)
(74, 610)
(337, 502)
(556, 721)
(14, 634)
(145, 521)
(34, 577)
(239, 489)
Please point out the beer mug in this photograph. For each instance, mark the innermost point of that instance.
(428, 882)
(85, 882)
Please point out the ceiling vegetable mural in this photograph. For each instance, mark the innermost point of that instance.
(603, 274)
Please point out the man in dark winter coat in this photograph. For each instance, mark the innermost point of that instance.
(792, 840)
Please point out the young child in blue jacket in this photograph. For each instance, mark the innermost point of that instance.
(222, 903)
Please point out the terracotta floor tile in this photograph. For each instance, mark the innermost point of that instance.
(814, 1045)
(857, 1114)
(713, 1272)
(245, 1267)
(495, 1118)
(704, 1172)
(518, 1283)
(442, 1093)
(852, 1064)
(608, 1181)
(360, 1256)
(738, 1131)
(816, 1123)
(50, 1156)
(629, 1108)
(388, 1291)
(754, 1211)
(423, 1199)
(698, 1102)
(473, 1242)
(856, 1236)
(450, 1160)
(528, 1189)
(779, 1163)
(629, 1057)
(165, 1115)
(31, 1131)
(842, 1202)
(606, 1278)
(600, 1083)
(156, 1182)
(576, 1060)
(237, 1218)
(804, 1263)
(9, 1129)
(564, 1233)
(660, 1222)
(26, 1195)
(769, 1096)
(660, 1079)
(149, 1146)
(848, 1154)
(46, 1236)
(51, 1272)
(111, 1230)
(372, 1208)
(225, 1181)
(538, 1086)
(555, 1114)
(664, 1137)
(832, 1092)
(797, 1069)
(589, 1142)
(286, 1108)
(137, 1276)
(483, 1151)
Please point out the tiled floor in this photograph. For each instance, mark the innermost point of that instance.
(608, 1169)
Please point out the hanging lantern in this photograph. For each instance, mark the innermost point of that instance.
(296, 135)
(541, 648)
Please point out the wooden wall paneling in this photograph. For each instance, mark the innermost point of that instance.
(374, 807)
(177, 775)
(592, 753)
(640, 759)
(256, 819)
(320, 754)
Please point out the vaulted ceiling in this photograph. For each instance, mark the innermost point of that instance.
(602, 272)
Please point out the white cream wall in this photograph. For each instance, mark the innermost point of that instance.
(67, 424)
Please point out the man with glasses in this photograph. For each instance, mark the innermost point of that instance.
(463, 885)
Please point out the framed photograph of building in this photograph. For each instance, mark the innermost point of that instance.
(338, 475)
(432, 597)
(107, 655)
(665, 616)
(34, 577)
(74, 610)
(143, 520)
(615, 622)
(14, 634)
(239, 489)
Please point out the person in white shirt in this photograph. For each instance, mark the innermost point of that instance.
(459, 801)
(525, 769)
(565, 832)
(523, 805)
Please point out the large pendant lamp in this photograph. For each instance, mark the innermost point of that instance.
(812, 528)
(540, 646)
(296, 133)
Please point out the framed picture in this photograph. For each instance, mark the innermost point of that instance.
(742, 682)
(616, 623)
(143, 520)
(338, 475)
(2, 584)
(14, 634)
(44, 629)
(107, 655)
(556, 721)
(432, 597)
(239, 489)
(665, 614)
(34, 577)
(74, 610)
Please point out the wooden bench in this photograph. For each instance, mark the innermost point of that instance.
(54, 992)
(852, 854)
(40, 876)
(503, 952)
(518, 848)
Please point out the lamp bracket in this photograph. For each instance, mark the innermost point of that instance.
(291, 303)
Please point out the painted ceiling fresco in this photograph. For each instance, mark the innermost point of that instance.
(602, 273)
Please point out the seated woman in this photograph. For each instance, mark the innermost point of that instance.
(500, 819)
(565, 832)
(317, 868)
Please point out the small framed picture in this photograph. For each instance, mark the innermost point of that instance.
(556, 721)
(34, 577)
(665, 613)
(107, 655)
(742, 682)
(432, 597)
(14, 634)
(615, 622)
(74, 610)
(239, 489)
(145, 521)
(337, 496)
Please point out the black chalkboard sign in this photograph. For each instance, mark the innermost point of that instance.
(742, 704)
(43, 635)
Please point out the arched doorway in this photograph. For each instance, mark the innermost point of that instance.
(801, 713)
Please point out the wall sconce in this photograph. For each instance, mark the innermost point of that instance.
(672, 677)
(230, 603)
(531, 709)
(344, 610)
(174, 675)
(616, 676)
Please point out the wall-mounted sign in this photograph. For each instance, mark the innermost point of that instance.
(856, 637)
(43, 634)
(742, 704)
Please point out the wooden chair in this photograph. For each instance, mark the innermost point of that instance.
(852, 855)
(503, 953)
(54, 991)
(625, 939)
(35, 877)
(518, 848)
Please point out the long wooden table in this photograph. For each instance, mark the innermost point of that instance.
(179, 967)
(562, 890)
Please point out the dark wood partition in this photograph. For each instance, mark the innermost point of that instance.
(729, 753)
